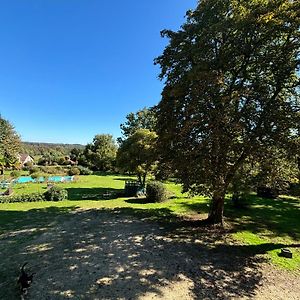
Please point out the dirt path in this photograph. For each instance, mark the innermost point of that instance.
(110, 255)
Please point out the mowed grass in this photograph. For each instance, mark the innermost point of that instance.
(264, 228)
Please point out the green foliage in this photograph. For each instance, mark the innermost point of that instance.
(9, 144)
(15, 174)
(156, 192)
(295, 189)
(56, 193)
(137, 154)
(54, 170)
(34, 197)
(101, 154)
(143, 119)
(231, 89)
(74, 171)
(40, 149)
(275, 170)
(35, 175)
(34, 170)
(84, 170)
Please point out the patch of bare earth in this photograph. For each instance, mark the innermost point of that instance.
(99, 254)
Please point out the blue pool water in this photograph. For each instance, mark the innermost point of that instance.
(26, 179)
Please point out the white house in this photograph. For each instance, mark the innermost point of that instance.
(25, 158)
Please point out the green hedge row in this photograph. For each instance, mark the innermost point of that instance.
(23, 198)
(53, 194)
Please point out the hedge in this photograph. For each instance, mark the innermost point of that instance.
(53, 194)
(23, 198)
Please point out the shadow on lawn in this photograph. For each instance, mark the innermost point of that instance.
(123, 254)
(91, 193)
(281, 215)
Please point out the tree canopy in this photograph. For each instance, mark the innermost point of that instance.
(137, 154)
(231, 88)
(9, 144)
(101, 154)
(142, 119)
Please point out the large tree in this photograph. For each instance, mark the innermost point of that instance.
(9, 144)
(101, 154)
(137, 154)
(231, 87)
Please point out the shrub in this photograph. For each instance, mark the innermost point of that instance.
(34, 170)
(15, 174)
(74, 171)
(294, 189)
(84, 170)
(56, 193)
(36, 175)
(53, 170)
(156, 192)
(23, 198)
(267, 192)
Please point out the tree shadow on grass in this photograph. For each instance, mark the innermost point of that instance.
(130, 254)
(137, 201)
(125, 179)
(95, 193)
(281, 216)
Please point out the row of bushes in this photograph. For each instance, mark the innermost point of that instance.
(37, 171)
(55, 193)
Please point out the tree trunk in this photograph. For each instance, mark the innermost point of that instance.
(144, 180)
(215, 215)
(140, 179)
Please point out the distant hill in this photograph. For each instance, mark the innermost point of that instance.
(37, 149)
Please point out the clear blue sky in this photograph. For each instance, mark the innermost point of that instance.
(70, 69)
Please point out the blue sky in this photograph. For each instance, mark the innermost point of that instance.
(73, 68)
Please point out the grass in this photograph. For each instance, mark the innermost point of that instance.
(265, 227)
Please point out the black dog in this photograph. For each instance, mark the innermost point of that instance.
(24, 280)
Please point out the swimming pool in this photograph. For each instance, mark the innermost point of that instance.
(27, 179)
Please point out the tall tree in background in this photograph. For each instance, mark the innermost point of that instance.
(142, 119)
(9, 144)
(101, 154)
(231, 87)
(137, 154)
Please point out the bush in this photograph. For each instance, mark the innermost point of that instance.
(156, 192)
(34, 170)
(267, 192)
(23, 198)
(74, 171)
(56, 193)
(294, 189)
(85, 171)
(15, 174)
(53, 170)
(36, 176)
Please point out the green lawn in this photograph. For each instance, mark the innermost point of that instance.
(265, 227)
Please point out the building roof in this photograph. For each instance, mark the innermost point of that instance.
(23, 157)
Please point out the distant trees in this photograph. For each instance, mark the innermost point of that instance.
(137, 154)
(231, 89)
(100, 155)
(9, 144)
(40, 149)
